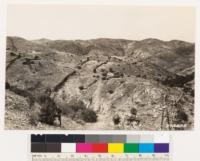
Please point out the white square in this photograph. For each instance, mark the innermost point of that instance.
(146, 138)
(68, 147)
(161, 138)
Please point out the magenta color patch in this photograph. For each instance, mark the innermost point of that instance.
(83, 148)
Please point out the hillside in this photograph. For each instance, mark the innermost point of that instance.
(111, 77)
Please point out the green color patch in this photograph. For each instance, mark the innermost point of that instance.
(131, 148)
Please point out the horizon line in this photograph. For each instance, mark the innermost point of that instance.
(61, 39)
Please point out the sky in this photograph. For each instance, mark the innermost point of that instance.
(70, 22)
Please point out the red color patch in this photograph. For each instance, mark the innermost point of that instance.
(100, 148)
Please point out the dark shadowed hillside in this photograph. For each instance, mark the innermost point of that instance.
(101, 83)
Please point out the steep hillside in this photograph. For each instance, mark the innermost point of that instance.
(103, 78)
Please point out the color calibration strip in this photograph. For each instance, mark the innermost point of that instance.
(99, 143)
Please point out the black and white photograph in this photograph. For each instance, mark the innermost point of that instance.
(100, 67)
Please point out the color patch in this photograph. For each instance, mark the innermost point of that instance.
(53, 148)
(38, 138)
(91, 138)
(105, 138)
(115, 148)
(84, 148)
(100, 148)
(118, 139)
(161, 148)
(56, 138)
(131, 148)
(146, 139)
(161, 138)
(146, 148)
(68, 147)
(38, 148)
(53, 138)
(132, 138)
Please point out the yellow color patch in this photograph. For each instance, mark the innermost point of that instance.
(115, 148)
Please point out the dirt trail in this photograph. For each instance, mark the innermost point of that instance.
(96, 99)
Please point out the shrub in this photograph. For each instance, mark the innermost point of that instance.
(181, 116)
(40, 64)
(69, 109)
(12, 54)
(118, 74)
(144, 76)
(111, 70)
(104, 74)
(116, 119)
(103, 78)
(7, 85)
(113, 107)
(36, 57)
(110, 91)
(81, 88)
(88, 115)
(133, 111)
(94, 70)
(103, 70)
(79, 67)
(77, 110)
(76, 105)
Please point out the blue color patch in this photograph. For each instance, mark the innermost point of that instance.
(146, 148)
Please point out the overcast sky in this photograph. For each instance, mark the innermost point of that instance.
(89, 22)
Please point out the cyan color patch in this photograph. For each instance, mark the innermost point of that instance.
(146, 148)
